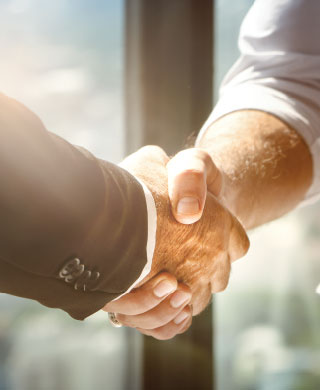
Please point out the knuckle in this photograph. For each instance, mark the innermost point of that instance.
(246, 245)
(221, 279)
(195, 153)
(150, 148)
(190, 152)
(167, 275)
(239, 242)
(185, 163)
(181, 155)
(223, 286)
(155, 151)
(193, 174)
(206, 158)
(220, 285)
(163, 276)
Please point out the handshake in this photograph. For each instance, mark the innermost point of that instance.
(248, 164)
(197, 239)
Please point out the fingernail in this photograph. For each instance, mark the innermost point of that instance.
(180, 317)
(164, 288)
(188, 206)
(179, 298)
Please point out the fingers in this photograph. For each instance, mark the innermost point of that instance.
(239, 242)
(189, 174)
(161, 314)
(179, 325)
(160, 308)
(145, 297)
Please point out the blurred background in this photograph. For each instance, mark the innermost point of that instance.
(64, 59)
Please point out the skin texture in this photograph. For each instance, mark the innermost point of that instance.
(255, 164)
(266, 165)
(143, 306)
(198, 255)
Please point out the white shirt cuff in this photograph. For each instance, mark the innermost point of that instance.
(152, 230)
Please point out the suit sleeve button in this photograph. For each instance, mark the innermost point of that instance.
(71, 270)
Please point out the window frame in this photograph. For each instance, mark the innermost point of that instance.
(169, 47)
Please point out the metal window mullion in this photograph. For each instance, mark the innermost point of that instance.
(169, 94)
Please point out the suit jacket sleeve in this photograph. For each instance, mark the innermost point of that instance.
(73, 228)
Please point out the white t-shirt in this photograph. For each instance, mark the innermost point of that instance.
(279, 71)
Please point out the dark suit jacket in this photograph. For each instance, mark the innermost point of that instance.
(73, 228)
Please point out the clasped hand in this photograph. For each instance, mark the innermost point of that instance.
(197, 240)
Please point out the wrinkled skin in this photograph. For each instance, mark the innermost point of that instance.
(198, 255)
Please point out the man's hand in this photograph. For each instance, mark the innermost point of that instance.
(257, 166)
(160, 308)
(198, 255)
(191, 173)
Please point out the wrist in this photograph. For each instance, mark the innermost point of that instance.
(267, 165)
(229, 193)
(233, 182)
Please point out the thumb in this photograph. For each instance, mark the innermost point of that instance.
(189, 174)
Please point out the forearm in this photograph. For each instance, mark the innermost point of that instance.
(68, 220)
(266, 165)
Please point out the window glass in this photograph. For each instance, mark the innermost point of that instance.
(63, 59)
(267, 321)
